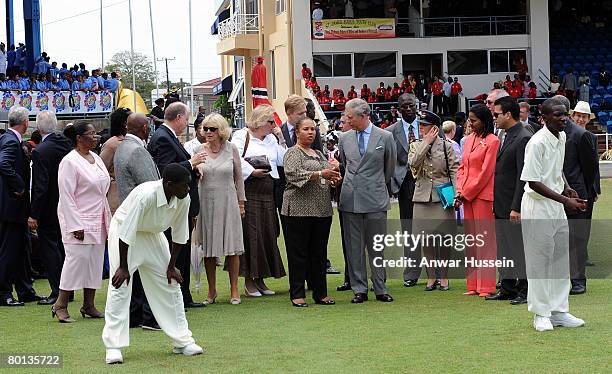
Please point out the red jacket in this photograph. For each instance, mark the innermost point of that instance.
(325, 103)
(339, 103)
(533, 93)
(456, 88)
(395, 92)
(388, 96)
(380, 91)
(436, 88)
(306, 73)
(351, 94)
(477, 170)
(515, 92)
(365, 92)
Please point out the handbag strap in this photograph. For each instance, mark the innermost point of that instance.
(246, 143)
(446, 159)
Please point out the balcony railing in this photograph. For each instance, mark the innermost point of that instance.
(460, 26)
(239, 24)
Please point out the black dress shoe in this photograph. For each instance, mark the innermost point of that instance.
(151, 327)
(589, 263)
(47, 301)
(498, 296)
(359, 298)
(498, 285)
(578, 289)
(194, 305)
(299, 305)
(331, 270)
(31, 298)
(325, 302)
(385, 298)
(518, 300)
(9, 301)
(410, 283)
(344, 287)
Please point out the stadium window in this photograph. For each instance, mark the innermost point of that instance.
(499, 62)
(342, 65)
(467, 62)
(505, 61)
(281, 6)
(374, 65)
(322, 65)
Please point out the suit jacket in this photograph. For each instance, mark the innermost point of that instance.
(46, 158)
(476, 173)
(532, 127)
(508, 186)
(316, 144)
(166, 149)
(597, 182)
(401, 164)
(364, 188)
(133, 165)
(428, 167)
(15, 177)
(580, 163)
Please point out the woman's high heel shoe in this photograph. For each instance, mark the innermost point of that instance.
(444, 288)
(251, 294)
(91, 312)
(431, 288)
(208, 301)
(299, 305)
(61, 314)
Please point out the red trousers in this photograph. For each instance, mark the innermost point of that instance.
(479, 220)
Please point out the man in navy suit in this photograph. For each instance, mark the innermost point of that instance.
(14, 207)
(46, 158)
(166, 149)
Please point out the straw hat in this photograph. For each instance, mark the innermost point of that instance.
(582, 107)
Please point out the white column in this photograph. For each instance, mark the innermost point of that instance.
(538, 29)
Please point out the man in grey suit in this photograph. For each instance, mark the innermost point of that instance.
(405, 131)
(368, 156)
(133, 166)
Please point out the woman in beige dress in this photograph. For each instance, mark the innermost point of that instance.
(222, 200)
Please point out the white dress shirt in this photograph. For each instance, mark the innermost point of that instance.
(544, 156)
(268, 146)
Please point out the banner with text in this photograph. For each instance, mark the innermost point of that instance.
(61, 102)
(361, 28)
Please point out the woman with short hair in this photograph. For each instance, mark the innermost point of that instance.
(84, 218)
(262, 148)
(222, 199)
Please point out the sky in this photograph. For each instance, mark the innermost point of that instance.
(71, 33)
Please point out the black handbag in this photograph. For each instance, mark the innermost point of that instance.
(257, 162)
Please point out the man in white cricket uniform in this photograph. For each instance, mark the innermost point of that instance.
(545, 228)
(136, 241)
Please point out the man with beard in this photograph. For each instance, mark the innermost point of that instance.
(406, 131)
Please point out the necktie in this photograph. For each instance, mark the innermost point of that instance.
(361, 144)
(410, 135)
(293, 138)
(502, 136)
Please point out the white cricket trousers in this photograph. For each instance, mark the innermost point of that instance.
(546, 241)
(150, 255)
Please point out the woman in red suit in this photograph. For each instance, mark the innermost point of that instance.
(475, 192)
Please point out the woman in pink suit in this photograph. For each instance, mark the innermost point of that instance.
(475, 192)
(84, 217)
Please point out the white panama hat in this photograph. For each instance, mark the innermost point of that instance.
(582, 107)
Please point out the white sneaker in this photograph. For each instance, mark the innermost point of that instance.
(542, 323)
(566, 320)
(114, 356)
(189, 350)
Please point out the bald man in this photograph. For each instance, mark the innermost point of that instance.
(134, 166)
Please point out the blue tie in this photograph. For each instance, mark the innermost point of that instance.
(361, 144)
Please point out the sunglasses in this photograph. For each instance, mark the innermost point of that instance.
(211, 129)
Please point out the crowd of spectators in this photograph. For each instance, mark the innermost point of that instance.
(48, 76)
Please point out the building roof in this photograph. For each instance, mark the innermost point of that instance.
(209, 83)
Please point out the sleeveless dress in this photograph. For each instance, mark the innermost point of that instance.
(221, 186)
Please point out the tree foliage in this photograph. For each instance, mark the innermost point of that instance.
(121, 63)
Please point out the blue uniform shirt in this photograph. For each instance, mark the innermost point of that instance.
(63, 84)
(76, 86)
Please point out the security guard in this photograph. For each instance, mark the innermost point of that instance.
(433, 162)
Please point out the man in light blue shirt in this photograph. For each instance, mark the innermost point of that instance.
(113, 84)
(62, 83)
(53, 70)
(447, 89)
(4, 86)
(99, 79)
(64, 69)
(76, 85)
(24, 84)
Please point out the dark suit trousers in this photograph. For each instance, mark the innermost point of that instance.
(510, 245)
(13, 246)
(183, 263)
(438, 108)
(406, 206)
(454, 104)
(578, 241)
(140, 312)
(306, 243)
(589, 213)
(52, 252)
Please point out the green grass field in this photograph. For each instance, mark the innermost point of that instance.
(421, 332)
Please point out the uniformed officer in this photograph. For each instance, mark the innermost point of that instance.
(432, 162)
